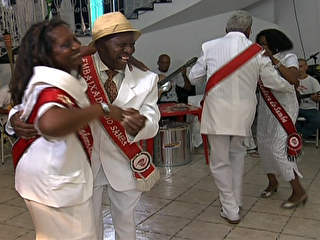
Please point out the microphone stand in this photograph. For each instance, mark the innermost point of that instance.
(314, 57)
(314, 70)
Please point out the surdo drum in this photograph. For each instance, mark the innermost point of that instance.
(172, 145)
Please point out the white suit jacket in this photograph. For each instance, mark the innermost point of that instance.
(230, 106)
(139, 91)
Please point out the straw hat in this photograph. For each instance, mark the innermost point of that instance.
(111, 23)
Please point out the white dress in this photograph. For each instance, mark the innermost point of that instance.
(271, 136)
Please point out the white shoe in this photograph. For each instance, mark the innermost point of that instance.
(233, 220)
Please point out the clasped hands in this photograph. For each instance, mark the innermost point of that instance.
(130, 119)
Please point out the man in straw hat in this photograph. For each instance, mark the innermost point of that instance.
(136, 92)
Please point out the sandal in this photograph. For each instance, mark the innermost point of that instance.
(289, 205)
(269, 191)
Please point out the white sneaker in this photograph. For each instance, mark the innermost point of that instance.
(233, 220)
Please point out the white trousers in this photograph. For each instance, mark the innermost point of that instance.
(72, 223)
(227, 165)
(123, 206)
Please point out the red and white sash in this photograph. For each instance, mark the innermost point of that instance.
(52, 94)
(294, 141)
(140, 161)
(227, 69)
(231, 67)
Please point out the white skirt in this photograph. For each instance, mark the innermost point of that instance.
(72, 223)
(272, 142)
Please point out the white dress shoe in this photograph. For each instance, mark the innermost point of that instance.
(231, 220)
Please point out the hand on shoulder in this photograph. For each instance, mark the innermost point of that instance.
(87, 50)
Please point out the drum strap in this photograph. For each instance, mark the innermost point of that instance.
(141, 162)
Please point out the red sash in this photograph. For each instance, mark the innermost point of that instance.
(231, 67)
(52, 94)
(228, 69)
(140, 161)
(294, 141)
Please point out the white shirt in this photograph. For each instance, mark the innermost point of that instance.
(308, 85)
(229, 107)
(138, 90)
(102, 68)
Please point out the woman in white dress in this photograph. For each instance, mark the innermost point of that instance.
(271, 136)
(53, 175)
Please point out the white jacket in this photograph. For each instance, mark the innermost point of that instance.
(139, 91)
(230, 106)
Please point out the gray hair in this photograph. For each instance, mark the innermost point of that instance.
(240, 21)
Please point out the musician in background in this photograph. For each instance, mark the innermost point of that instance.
(181, 87)
(310, 88)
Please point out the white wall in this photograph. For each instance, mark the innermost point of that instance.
(263, 9)
(162, 11)
(184, 41)
(282, 13)
(309, 22)
(200, 10)
(181, 38)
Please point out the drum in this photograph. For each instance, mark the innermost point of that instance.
(172, 145)
(314, 71)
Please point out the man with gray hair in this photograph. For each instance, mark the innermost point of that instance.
(232, 66)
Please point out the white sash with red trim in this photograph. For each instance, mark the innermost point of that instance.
(140, 161)
(52, 94)
(294, 141)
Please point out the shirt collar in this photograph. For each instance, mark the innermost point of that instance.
(233, 34)
(102, 67)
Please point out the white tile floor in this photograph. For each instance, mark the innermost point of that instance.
(184, 205)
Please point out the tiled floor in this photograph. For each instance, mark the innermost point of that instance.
(184, 205)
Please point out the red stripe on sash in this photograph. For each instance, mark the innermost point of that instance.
(231, 67)
(52, 94)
